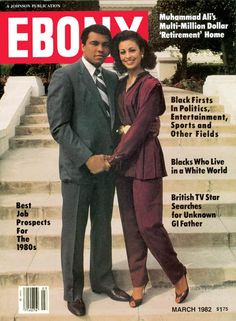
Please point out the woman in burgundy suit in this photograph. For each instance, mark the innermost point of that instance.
(140, 161)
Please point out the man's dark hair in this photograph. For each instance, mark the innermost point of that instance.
(102, 30)
(149, 59)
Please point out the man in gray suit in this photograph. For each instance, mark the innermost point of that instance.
(84, 127)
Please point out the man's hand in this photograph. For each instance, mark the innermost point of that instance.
(97, 164)
(155, 127)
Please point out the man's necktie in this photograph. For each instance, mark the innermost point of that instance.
(102, 89)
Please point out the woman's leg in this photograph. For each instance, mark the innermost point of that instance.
(135, 246)
(148, 206)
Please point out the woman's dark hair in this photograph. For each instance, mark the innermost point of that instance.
(102, 30)
(149, 59)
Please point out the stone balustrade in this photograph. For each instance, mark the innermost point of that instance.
(224, 87)
(16, 97)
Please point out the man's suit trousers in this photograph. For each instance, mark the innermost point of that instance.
(78, 201)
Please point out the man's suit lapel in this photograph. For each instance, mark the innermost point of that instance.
(87, 79)
(111, 95)
(89, 82)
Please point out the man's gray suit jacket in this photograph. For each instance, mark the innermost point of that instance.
(78, 119)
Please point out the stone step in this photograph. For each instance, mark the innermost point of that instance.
(41, 100)
(36, 109)
(195, 108)
(43, 165)
(34, 119)
(34, 129)
(24, 164)
(216, 117)
(220, 128)
(29, 187)
(187, 140)
(169, 92)
(43, 129)
(165, 139)
(212, 231)
(170, 186)
(207, 266)
(181, 157)
(48, 206)
(174, 186)
(34, 141)
(24, 171)
(158, 305)
(42, 118)
(215, 108)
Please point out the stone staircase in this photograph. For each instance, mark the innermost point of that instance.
(205, 244)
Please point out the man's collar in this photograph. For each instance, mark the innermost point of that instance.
(91, 68)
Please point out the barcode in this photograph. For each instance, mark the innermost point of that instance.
(33, 299)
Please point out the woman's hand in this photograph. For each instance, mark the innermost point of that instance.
(107, 162)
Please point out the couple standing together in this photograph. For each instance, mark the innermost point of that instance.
(88, 108)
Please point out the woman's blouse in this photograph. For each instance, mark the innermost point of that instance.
(139, 153)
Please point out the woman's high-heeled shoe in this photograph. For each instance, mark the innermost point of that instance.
(134, 303)
(179, 298)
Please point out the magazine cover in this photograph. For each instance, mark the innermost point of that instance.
(172, 242)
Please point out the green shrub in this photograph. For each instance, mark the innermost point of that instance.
(196, 76)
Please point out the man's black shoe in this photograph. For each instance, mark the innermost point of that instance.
(77, 307)
(115, 294)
